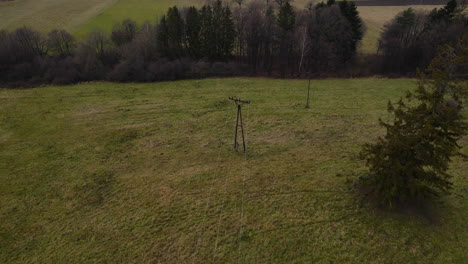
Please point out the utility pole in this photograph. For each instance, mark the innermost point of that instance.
(239, 123)
(308, 95)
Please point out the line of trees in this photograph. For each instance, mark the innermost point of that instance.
(262, 37)
(412, 38)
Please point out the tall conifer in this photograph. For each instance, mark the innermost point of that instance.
(192, 29)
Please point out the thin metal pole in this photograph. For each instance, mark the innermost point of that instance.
(242, 128)
(308, 96)
(237, 125)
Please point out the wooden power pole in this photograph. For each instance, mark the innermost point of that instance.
(308, 95)
(239, 122)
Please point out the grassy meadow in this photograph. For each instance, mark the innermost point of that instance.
(146, 173)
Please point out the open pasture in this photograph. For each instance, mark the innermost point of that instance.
(146, 173)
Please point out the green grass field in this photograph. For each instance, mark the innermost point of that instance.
(138, 10)
(82, 16)
(45, 15)
(146, 173)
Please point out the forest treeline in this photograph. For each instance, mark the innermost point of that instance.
(259, 38)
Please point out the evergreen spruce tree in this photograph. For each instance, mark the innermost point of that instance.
(411, 161)
(206, 31)
(286, 17)
(286, 21)
(217, 32)
(228, 35)
(192, 31)
(162, 38)
(175, 31)
(218, 29)
(349, 10)
(446, 13)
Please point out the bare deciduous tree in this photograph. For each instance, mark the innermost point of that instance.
(60, 42)
(124, 32)
(31, 41)
(98, 42)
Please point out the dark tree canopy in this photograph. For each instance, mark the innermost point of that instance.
(61, 43)
(192, 31)
(446, 13)
(175, 33)
(412, 38)
(31, 41)
(163, 37)
(124, 32)
(331, 37)
(217, 34)
(286, 17)
(349, 11)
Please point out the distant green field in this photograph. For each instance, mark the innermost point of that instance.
(81, 16)
(45, 15)
(138, 10)
(146, 173)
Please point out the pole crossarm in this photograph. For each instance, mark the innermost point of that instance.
(238, 100)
